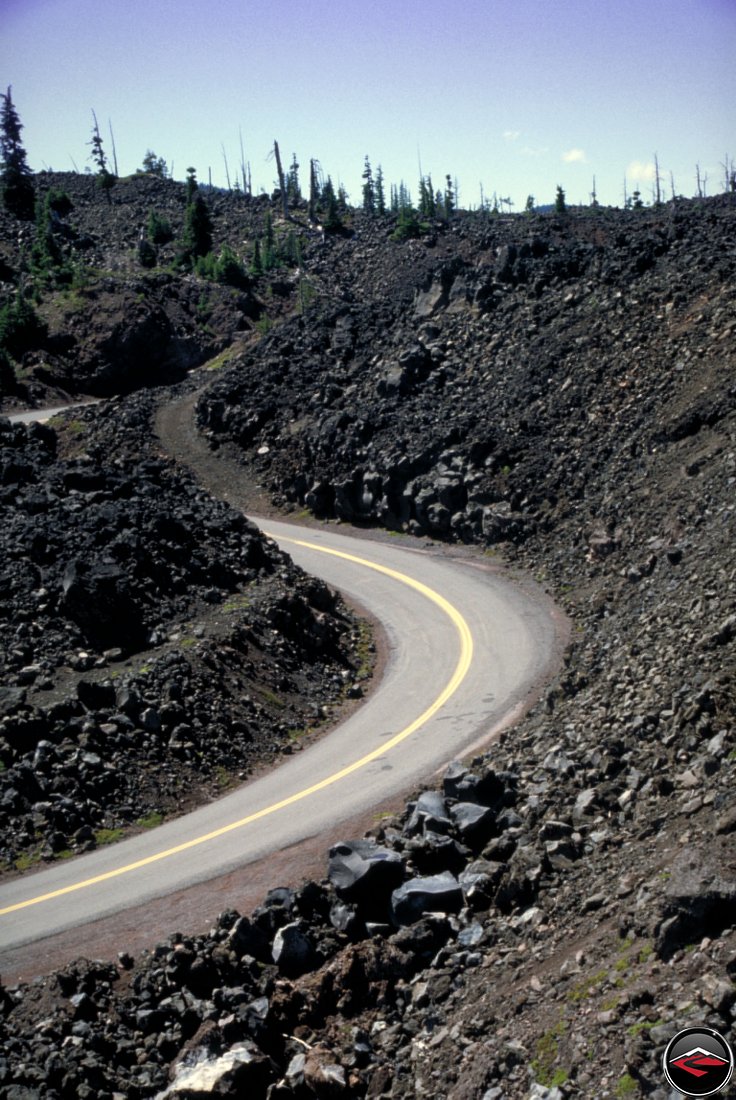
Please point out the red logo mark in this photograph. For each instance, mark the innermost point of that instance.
(697, 1062)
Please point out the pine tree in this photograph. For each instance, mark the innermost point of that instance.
(427, 204)
(49, 265)
(256, 266)
(197, 239)
(16, 184)
(380, 192)
(404, 198)
(292, 182)
(407, 224)
(369, 194)
(105, 178)
(192, 184)
(449, 201)
(153, 165)
(198, 227)
(560, 204)
(331, 222)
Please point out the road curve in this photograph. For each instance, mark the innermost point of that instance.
(465, 648)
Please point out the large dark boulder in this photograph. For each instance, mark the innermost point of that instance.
(434, 894)
(98, 597)
(365, 874)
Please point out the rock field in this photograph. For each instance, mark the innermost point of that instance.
(558, 393)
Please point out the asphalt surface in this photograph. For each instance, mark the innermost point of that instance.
(40, 416)
(466, 648)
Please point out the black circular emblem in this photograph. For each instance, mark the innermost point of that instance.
(698, 1061)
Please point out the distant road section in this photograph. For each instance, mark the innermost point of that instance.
(466, 648)
(42, 415)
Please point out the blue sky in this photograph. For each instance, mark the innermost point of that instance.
(519, 96)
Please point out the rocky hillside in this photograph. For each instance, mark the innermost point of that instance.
(558, 392)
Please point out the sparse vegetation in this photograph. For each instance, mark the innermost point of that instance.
(108, 836)
(544, 1065)
(151, 820)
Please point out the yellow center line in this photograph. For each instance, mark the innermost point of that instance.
(461, 669)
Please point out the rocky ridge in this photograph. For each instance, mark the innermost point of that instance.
(542, 924)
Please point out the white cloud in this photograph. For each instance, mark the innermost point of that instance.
(511, 135)
(642, 172)
(575, 156)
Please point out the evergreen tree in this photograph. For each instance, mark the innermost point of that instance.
(147, 255)
(427, 204)
(49, 264)
(342, 199)
(154, 166)
(332, 222)
(197, 240)
(16, 183)
(159, 228)
(20, 327)
(394, 199)
(449, 200)
(380, 192)
(192, 185)
(369, 193)
(105, 178)
(560, 204)
(292, 182)
(198, 227)
(256, 266)
(407, 224)
(227, 269)
(404, 198)
(529, 206)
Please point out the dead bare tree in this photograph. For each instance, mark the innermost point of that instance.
(657, 182)
(114, 150)
(246, 184)
(227, 169)
(282, 180)
(313, 189)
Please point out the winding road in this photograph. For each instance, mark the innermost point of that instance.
(466, 649)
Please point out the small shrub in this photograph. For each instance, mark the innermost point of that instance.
(159, 229)
(20, 327)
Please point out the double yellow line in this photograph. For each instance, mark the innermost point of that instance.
(461, 669)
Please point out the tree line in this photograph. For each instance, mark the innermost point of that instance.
(325, 201)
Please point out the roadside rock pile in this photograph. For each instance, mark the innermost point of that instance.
(409, 970)
(153, 640)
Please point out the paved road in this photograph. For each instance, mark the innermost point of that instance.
(465, 649)
(42, 415)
